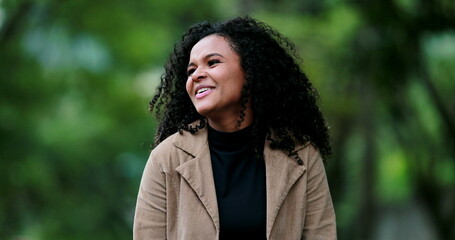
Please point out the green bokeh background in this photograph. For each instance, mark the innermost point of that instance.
(75, 133)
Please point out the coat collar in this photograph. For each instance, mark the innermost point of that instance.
(198, 171)
(281, 174)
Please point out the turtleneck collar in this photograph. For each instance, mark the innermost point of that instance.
(230, 140)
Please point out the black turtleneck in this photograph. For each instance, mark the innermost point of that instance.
(240, 184)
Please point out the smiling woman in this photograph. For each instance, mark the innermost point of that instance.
(240, 142)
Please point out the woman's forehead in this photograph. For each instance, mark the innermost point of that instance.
(209, 45)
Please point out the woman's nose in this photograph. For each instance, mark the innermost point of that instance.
(198, 75)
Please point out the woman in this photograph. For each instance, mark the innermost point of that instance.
(240, 142)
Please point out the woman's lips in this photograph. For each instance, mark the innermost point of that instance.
(204, 93)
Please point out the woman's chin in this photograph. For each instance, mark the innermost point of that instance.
(204, 111)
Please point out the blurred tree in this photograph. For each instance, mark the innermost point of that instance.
(389, 50)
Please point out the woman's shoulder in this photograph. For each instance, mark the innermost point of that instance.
(308, 147)
(166, 146)
(164, 154)
(177, 149)
(308, 152)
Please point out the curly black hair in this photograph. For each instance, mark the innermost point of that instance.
(283, 100)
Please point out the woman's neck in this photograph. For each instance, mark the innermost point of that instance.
(224, 124)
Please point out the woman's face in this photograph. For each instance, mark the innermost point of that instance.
(215, 78)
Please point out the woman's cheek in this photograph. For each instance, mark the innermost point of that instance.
(189, 86)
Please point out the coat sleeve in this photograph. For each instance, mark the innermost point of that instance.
(150, 215)
(320, 223)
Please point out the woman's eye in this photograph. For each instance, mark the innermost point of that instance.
(213, 62)
(190, 71)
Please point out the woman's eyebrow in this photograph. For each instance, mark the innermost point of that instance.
(207, 56)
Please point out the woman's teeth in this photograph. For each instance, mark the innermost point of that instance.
(202, 90)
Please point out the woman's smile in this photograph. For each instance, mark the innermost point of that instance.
(203, 91)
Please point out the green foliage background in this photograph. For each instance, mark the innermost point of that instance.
(76, 77)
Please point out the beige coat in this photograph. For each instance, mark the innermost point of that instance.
(177, 198)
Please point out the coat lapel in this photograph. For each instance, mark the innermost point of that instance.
(281, 173)
(198, 171)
